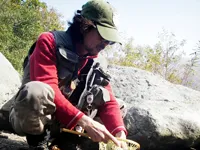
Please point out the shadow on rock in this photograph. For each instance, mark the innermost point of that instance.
(9, 144)
(74, 142)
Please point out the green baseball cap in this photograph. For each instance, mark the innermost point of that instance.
(101, 12)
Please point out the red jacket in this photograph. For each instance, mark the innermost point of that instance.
(43, 68)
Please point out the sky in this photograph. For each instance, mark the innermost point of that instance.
(144, 19)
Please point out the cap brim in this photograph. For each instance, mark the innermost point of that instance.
(109, 34)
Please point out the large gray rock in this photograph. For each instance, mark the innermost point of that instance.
(161, 115)
(9, 83)
(9, 80)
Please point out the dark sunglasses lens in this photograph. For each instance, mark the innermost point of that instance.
(111, 43)
(108, 42)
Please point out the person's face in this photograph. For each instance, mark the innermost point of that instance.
(93, 42)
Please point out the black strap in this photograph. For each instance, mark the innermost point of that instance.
(29, 53)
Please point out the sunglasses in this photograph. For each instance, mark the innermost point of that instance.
(107, 42)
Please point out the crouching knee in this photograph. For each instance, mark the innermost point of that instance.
(32, 108)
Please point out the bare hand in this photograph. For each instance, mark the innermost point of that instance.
(122, 135)
(97, 131)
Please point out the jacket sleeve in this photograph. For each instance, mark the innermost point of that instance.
(43, 68)
(110, 114)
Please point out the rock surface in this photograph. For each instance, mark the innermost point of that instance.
(9, 80)
(160, 115)
(9, 141)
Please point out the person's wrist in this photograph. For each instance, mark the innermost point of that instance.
(120, 134)
(83, 121)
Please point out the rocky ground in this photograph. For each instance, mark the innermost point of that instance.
(10, 141)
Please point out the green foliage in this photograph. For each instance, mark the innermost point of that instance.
(196, 53)
(163, 59)
(21, 21)
(189, 70)
(190, 66)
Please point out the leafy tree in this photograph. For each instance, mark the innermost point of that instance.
(189, 70)
(21, 21)
(190, 67)
(197, 51)
(171, 55)
(163, 59)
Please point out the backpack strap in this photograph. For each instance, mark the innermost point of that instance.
(29, 53)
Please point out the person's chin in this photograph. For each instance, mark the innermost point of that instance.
(92, 53)
(89, 54)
